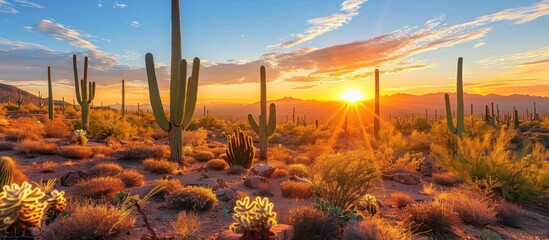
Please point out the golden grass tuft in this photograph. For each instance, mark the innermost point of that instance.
(186, 225)
(105, 169)
(298, 190)
(75, 152)
(435, 217)
(472, 206)
(202, 156)
(170, 186)
(401, 200)
(279, 172)
(132, 178)
(299, 170)
(217, 164)
(29, 147)
(160, 166)
(193, 198)
(98, 188)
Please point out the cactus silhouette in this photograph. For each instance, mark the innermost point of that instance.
(19, 101)
(50, 96)
(182, 94)
(240, 150)
(458, 130)
(123, 109)
(85, 91)
(264, 129)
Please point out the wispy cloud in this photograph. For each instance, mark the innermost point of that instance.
(135, 24)
(479, 44)
(26, 3)
(321, 25)
(117, 4)
(100, 3)
(7, 7)
(516, 58)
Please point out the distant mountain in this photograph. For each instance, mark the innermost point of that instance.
(10, 93)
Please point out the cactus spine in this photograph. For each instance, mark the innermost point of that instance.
(50, 96)
(182, 95)
(85, 91)
(377, 116)
(240, 149)
(264, 129)
(458, 130)
(123, 109)
(7, 167)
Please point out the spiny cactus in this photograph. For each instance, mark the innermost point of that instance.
(458, 130)
(50, 96)
(7, 167)
(368, 203)
(40, 102)
(489, 118)
(123, 109)
(85, 92)
(254, 219)
(240, 150)
(515, 119)
(19, 101)
(20, 207)
(182, 95)
(377, 116)
(264, 129)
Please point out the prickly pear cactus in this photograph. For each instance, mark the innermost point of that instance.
(20, 207)
(254, 218)
(7, 166)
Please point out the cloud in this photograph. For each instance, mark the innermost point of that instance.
(100, 3)
(304, 87)
(516, 58)
(321, 25)
(535, 62)
(117, 4)
(7, 7)
(479, 44)
(135, 24)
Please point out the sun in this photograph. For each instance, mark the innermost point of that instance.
(352, 95)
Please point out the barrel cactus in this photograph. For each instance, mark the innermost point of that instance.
(7, 167)
(254, 219)
(240, 150)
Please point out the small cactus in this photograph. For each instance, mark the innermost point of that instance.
(240, 150)
(263, 128)
(81, 136)
(460, 127)
(254, 219)
(368, 203)
(21, 208)
(7, 167)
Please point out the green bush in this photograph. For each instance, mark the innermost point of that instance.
(106, 123)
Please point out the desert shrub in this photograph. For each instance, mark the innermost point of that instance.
(186, 225)
(311, 136)
(160, 166)
(375, 228)
(217, 151)
(88, 220)
(472, 206)
(35, 147)
(422, 125)
(6, 146)
(343, 178)
(193, 198)
(13, 134)
(388, 160)
(203, 156)
(217, 164)
(421, 142)
(312, 151)
(97, 188)
(48, 167)
(195, 138)
(57, 128)
(279, 153)
(490, 161)
(132, 178)
(75, 152)
(279, 172)
(137, 151)
(444, 179)
(299, 170)
(312, 224)
(24, 128)
(401, 200)
(108, 123)
(508, 214)
(105, 169)
(170, 186)
(102, 150)
(435, 217)
(299, 190)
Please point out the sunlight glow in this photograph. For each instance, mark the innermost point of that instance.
(352, 95)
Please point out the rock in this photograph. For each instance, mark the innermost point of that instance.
(256, 182)
(298, 179)
(406, 178)
(263, 170)
(72, 178)
(204, 176)
(224, 194)
(221, 183)
(281, 231)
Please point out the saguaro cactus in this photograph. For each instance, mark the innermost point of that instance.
(458, 130)
(377, 116)
(40, 102)
(182, 94)
(264, 129)
(85, 91)
(515, 119)
(123, 109)
(50, 96)
(19, 101)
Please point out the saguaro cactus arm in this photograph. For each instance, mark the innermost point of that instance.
(459, 128)
(271, 126)
(154, 94)
(191, 94)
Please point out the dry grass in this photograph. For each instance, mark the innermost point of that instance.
(473, 208)
(160, 166)
(6, 146)
(219, 150)
(401, 200)
(170, 186)
(428, 189)
(13, 134)
(299, 170)
(186, 225)
(29, 147)
(105, 169)
(444, 179)
(312, 224)
(98, 188)
(376, 228)
(193, 198)
(102, 150)
(217, 164)
(132, 178)
(88, 220)
(280, 154)
(279, 172)
(75, 152)
(24, 128)
(299, 190)
(202, 156)
(508, 214)
(142, 151)
(432, 217)
(57, 128)
(48, 167)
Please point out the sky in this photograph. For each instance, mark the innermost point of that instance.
(312, 49)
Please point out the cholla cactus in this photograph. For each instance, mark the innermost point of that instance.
(81, 136)
(56, 204)
(20, 207)
(254, 218)
(368, 203)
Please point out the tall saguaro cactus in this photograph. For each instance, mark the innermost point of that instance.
(182, 94)
(50, 96)
(458, 130)
(377, 116)
(85, 91)
(19, 100)
(123, 99)
(264, 128)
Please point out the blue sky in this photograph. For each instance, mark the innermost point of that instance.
(312, 48)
